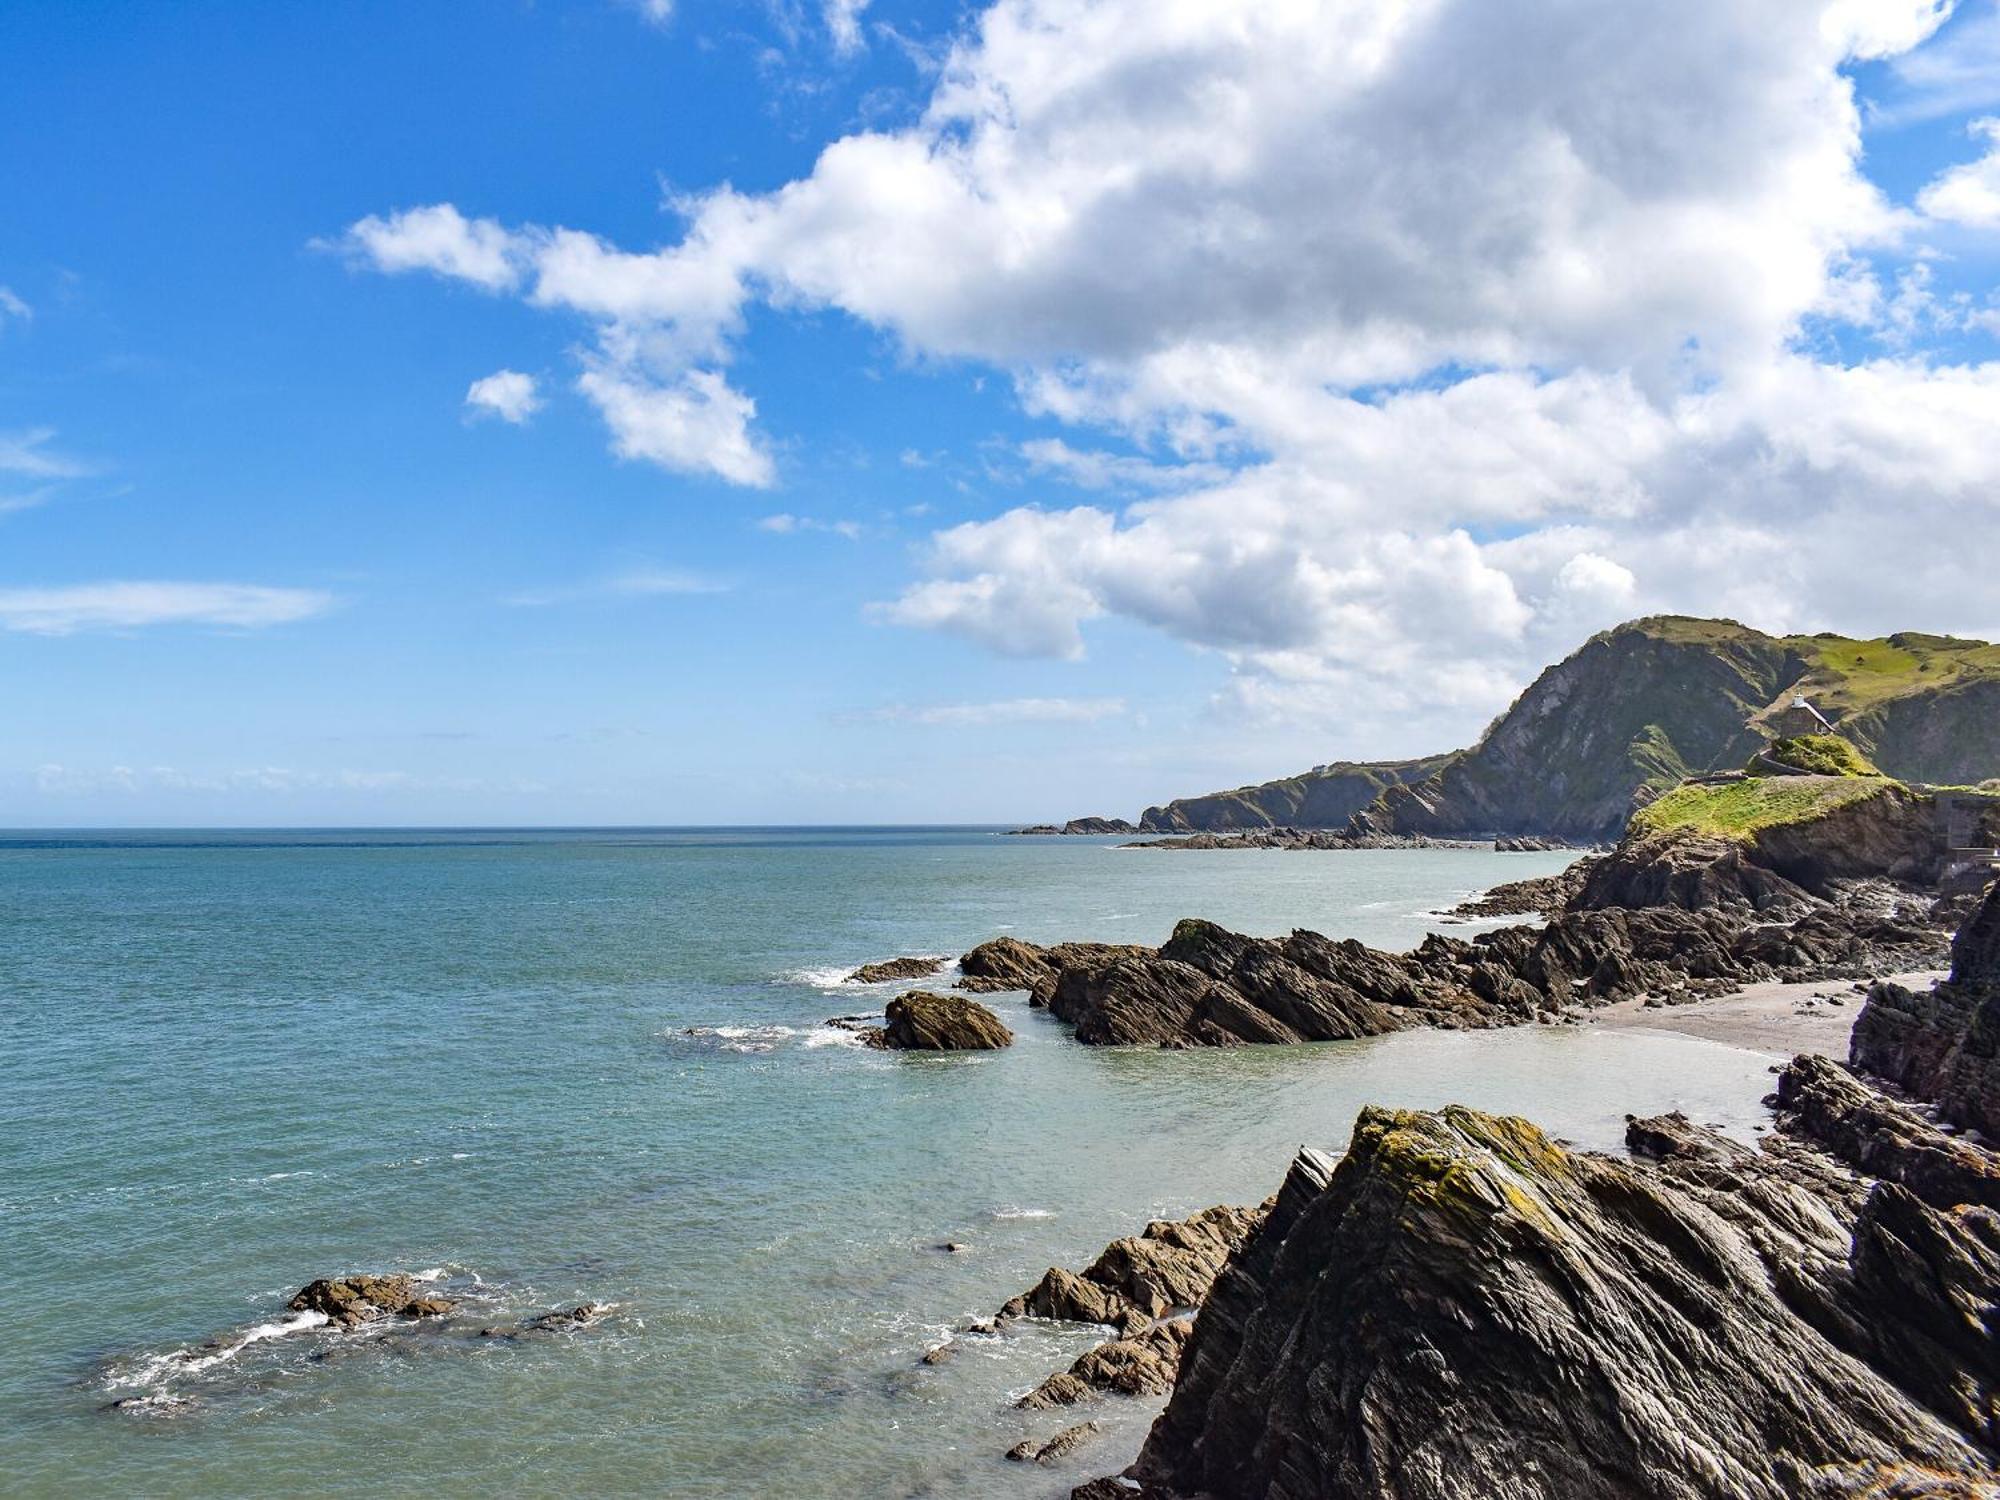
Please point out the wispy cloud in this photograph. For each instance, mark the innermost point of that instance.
(1005, 711)
(640, 583)
(131, 605)
(27, 453)
(506, 394)
(57, 779)
(1094, 469)
(11, 306)
(1957, 72)
(785, 524)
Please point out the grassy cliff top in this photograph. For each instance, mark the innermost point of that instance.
(1818, 754)
(1741, 809)
(1845, 675)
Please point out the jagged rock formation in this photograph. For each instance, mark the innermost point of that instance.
(1463, 1308)
(1325, 797)
(923, 1022)
(1663, 915)
(1944, 1046)
(1823, 1102)
(1009, 964)
(350, 1301)
(1142, 1285)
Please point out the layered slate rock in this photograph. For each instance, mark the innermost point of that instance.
(1462, 1309)
(1144, 1285)
(1822, 1102)
(924, 1022)
(1944, 1046)
(1009, 964)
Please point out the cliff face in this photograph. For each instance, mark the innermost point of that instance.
(1632, 712)
(1322, 798)
(1647, 703)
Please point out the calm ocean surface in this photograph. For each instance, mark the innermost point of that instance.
(557, 1067)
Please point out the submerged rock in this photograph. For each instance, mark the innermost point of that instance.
(895, 968)
(924, 1022)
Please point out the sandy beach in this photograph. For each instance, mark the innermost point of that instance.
(1776, 1017)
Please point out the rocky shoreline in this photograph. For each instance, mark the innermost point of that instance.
(1663, 916)
(1461, 1307)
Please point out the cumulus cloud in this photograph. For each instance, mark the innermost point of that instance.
(439, 239)
(67, 609)
(1432, 332)
(1004, 711)
(1970, 192)
(506, 394)
(695, 425)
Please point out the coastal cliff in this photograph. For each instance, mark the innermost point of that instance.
(1632, 712)
(1324, 797)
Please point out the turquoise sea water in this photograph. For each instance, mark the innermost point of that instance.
(564, 1067)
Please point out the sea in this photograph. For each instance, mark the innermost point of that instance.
(552, 1068)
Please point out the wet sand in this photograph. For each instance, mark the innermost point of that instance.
(1779, 1018)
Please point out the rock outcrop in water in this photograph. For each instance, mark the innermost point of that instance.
(1145, 1286)
(350, 1301)
(895, 968)
(1945, 1045)
(924, 1022)
(1007, 963)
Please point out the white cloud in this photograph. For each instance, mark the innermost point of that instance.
(638, 583)
(11, 306)
(843, 25)
(440, 239)
(67, 609)
(27, 453)
(659, 12)
(506, 394)
(786, 524)
(57, 779)
(1434, 332)
(695, 425)
(1005, 711)
(1970, 192)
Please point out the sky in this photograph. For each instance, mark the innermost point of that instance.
(856, 411)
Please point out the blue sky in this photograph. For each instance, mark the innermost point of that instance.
(1067, 495)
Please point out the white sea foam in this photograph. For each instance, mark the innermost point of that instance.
(194, 1360)
(832, 1036)
(819, 979)
(1012, 1212)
